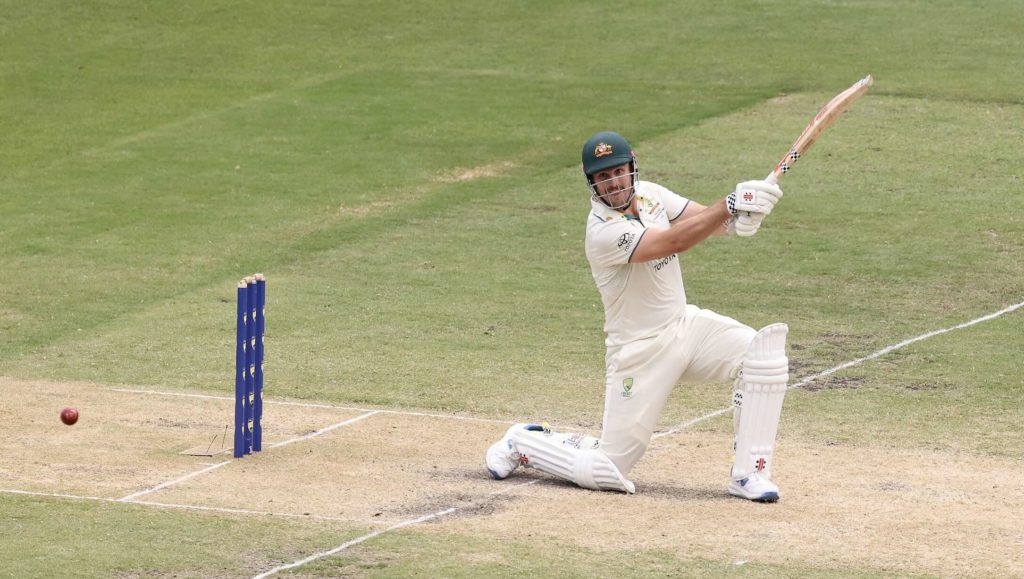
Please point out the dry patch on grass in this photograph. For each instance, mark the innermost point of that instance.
(491, 170)
(364, 209)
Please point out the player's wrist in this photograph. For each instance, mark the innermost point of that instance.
(730, 203)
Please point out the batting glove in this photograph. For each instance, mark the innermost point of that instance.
(753, 197)
(747, 224)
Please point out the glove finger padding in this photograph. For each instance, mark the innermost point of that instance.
(755, 197)
(747, 224)
(765, 186)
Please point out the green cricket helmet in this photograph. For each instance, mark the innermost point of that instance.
(604, 151)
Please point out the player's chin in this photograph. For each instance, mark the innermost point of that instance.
(618, 198)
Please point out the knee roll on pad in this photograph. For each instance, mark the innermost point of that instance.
(761, 388)
(573, 457)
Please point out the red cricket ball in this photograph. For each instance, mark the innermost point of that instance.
(69, 416)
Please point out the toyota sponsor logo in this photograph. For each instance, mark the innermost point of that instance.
(658, 264)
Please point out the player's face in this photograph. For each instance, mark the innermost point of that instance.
(614, 185)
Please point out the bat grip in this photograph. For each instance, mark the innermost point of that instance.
(771, 178)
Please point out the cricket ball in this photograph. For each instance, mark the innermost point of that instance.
(69, 416)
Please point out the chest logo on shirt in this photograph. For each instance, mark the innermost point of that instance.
(653, 208)
(626, 241)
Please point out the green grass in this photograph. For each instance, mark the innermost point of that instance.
(153, 154)
(480, 557)
(48, 537)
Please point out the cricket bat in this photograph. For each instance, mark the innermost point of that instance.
(823, 120)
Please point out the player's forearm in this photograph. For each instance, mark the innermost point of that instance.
(683, 234)
(690, 231)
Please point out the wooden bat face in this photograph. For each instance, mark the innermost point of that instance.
(823, 120)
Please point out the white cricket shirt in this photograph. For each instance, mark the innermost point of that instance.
(640, 299)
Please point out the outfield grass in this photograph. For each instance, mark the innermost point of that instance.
(407, 176)
(60, 538)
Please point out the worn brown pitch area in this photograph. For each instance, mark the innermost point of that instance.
(894, 511)
(123, 442)
(858, 508)
(383, 470)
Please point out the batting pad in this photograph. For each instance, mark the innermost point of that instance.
(758, 401)
(573, 457)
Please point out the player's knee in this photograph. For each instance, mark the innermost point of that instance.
(626, 449)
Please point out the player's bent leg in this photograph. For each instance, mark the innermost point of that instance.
(502, 457)
(625, 444)
(761, 388)
(576, 458)
(573, 457)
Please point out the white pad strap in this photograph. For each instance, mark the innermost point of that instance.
(758, 400)
(573, 457)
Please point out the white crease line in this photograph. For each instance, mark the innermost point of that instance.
(858, 361)
(438, 514)
(353, 542)
(178, 394)
(446, 416)
(272, 402)
(324, 430)
(173, 505)
(686, 425)
(168, 128)
(905, 343)
(238, 511)
(160, 487)
(57, 495)
(375, 534)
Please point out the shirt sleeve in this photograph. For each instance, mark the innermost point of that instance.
(612, 243)
(674, 204)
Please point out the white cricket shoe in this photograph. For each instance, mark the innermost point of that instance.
(755, 488)
(502, 457)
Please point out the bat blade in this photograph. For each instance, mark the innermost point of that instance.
(823, 120)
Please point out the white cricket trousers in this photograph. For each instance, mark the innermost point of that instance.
(702, 346)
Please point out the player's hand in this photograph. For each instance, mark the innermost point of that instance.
(753, 197)
(747, 224)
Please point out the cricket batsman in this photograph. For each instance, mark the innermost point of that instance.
(655, 339)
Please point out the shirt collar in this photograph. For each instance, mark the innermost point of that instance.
(605, 213)
(602, 211)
